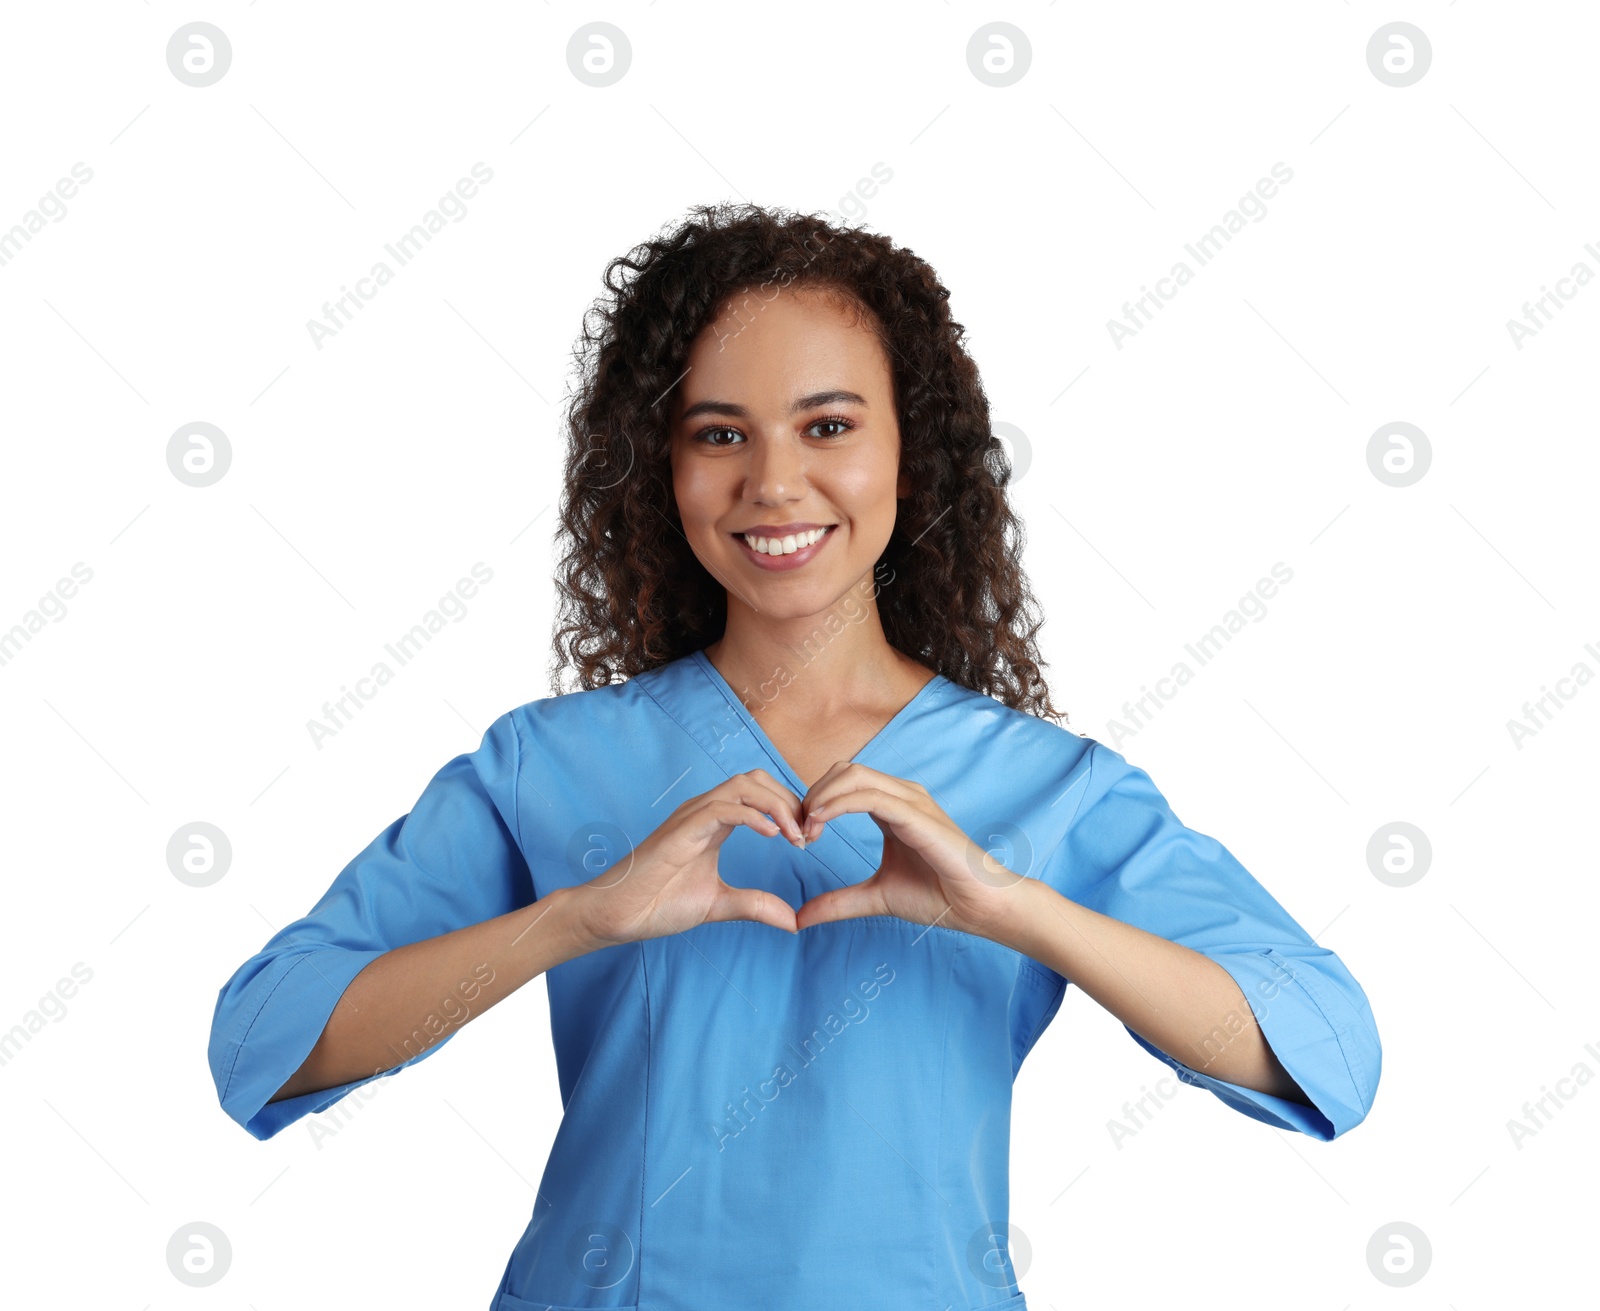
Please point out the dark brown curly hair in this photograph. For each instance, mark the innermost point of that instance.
(634, 596)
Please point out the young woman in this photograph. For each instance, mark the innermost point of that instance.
(805, 861)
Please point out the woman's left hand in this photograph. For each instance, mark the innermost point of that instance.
(931, 872)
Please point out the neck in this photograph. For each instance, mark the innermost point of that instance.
(815, 665)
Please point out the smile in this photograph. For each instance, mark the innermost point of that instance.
(788, 552)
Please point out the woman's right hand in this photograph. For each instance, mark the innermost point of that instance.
(669, 882)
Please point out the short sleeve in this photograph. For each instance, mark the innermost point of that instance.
(1126, 854)
(456, 859)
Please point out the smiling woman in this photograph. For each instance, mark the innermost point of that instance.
(793, 598)
(786, 474)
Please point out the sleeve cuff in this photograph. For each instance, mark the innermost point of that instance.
(299, 993)
(1304, 1030)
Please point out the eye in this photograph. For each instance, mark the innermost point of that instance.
(838, 421)
(704, 435)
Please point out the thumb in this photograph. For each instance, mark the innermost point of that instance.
(754, 904)
(841, 904)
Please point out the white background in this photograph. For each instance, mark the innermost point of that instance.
(1166, 478)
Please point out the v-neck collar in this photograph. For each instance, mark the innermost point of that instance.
(695, 696)
(928, 691)
(714, 722)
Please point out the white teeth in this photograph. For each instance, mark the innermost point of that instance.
(784, 545)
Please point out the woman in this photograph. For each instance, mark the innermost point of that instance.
(805, 862)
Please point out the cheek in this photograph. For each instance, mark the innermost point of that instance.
(689, 489)
(702, 498)
(866, 491)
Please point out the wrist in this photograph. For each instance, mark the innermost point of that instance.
(572, 906)
(1016, 914)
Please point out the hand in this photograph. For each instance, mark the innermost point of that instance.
(669, 882)
(931, 872)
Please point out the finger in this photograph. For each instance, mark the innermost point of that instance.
(753, 904)
(889, 808)
(842, 904)
(718, 817)
(829, 775)
(848, 775)
(758, 788)
(776, 784)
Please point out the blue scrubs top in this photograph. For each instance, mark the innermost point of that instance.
(757, 1119)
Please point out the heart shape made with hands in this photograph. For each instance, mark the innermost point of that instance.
(931, 872)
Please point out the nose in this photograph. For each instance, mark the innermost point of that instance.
(775, 471)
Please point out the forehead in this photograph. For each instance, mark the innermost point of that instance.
(780, 342)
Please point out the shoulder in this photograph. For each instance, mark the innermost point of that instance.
(550, 719)
(1001, 765)
(588, 719)
(1075, 771)
(998, 727)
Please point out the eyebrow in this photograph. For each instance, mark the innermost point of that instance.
(730, 410)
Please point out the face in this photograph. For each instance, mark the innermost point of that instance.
(785, 425)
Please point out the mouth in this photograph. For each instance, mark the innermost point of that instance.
(782, 553)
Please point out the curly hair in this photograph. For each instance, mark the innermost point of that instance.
(634, 596)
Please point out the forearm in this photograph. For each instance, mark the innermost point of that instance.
(1176, 998)
(416, 995)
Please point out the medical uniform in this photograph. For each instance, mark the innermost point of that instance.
(755, 1120)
